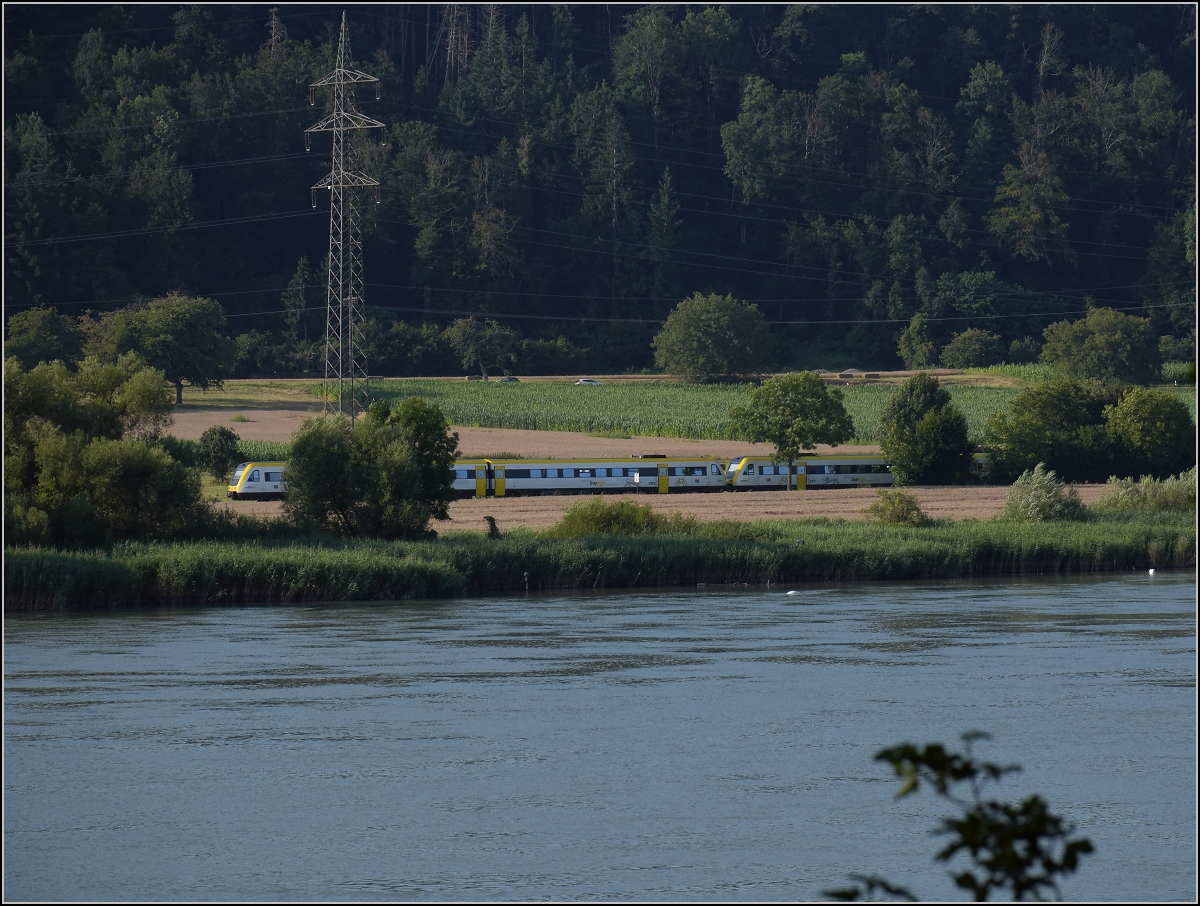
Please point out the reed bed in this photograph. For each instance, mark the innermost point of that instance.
(139, 575)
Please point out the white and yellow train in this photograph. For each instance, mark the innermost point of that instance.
(646, 474)
(257, 481)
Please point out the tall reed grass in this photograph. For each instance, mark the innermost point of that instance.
(134, 575)
(1149, 495)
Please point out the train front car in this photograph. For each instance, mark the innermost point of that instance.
(753, 473)
(257, 481)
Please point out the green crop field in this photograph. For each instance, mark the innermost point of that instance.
(699, 412)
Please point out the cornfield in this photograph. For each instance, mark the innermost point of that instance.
(695, 412)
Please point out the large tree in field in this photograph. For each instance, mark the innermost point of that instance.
(711, 336)
(923, 434)
(1106, 345)
(794, 412)
(182, 336)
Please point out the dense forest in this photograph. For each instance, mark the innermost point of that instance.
(574, 172)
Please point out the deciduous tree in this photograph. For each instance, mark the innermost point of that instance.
(923, 434)
(710, 336)
(487, 345)
(384, 476)
(1106, 345)
(794, 412)
(182, 336)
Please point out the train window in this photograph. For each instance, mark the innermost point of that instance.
(816, 470)
(693, 470)
(714, 469)
(650, 472)
(568, 473)
(749, 470)
(518, 473)
(585, 473)
(274, 476)
(253, 476)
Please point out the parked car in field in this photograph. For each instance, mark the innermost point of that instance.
(587, 381)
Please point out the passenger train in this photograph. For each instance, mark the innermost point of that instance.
(646, 474)
(257, 481)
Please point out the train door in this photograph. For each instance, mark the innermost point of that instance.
(499, 481)
(662, 478)
(801, 477)
(481, 481)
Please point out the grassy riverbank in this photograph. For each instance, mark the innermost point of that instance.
(149, 575)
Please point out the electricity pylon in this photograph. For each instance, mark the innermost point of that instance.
(345, 363)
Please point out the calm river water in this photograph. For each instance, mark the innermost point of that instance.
(709, 744)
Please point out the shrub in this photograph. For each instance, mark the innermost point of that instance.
(1060, 423)
(384, 476)
(1038, 496)
(1154, 432)
(620, 517)
(973, 348)
(1150, 495)
(1024, 351)
(218, 451)
(896, 508)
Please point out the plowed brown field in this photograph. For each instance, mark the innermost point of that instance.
(277, 424)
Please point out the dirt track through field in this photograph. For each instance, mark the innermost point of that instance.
(540, 512)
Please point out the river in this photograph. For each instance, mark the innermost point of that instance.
(707, 744)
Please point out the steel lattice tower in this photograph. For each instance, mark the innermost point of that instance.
(345, 364)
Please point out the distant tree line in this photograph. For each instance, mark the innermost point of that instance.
(885, 185)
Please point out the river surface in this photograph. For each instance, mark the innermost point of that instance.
(708, 744)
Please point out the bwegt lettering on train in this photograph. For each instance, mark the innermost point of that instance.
(646, 474)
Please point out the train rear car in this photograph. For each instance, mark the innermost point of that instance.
(471, 477)
(847, 472)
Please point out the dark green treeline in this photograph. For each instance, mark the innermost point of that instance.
(842, 167)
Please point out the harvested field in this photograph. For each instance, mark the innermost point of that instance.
(542, 512)
(278, 423)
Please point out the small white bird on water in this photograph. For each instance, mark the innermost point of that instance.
(796, 592)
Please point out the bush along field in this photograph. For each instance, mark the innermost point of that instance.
(597, 550)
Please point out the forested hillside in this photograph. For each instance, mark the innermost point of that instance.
(574, 172)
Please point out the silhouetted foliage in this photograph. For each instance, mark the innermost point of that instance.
(1021, 849)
